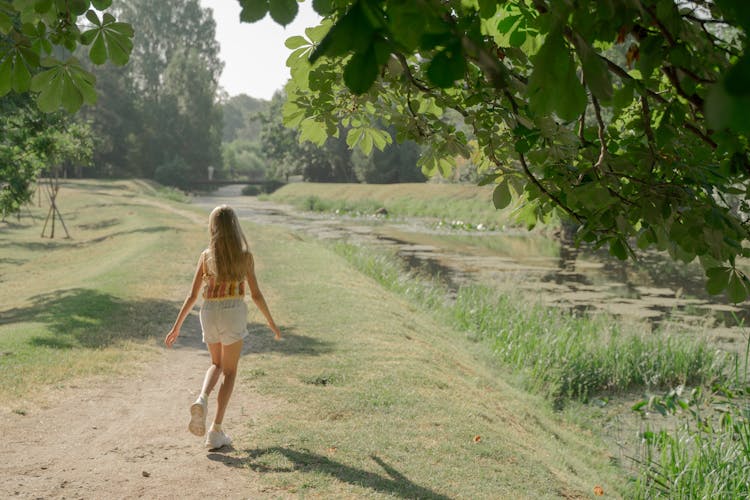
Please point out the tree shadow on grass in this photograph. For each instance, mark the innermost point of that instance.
(95, 186)
(36, 246)
(391, 483)
(81, 317)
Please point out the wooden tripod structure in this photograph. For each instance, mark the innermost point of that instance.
(52, 185)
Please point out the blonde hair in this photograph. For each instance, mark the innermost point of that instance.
(227, 245)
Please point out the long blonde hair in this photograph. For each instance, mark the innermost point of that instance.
(228, 246)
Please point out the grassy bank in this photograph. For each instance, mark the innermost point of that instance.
(561, 354)
(91, 304)
(701, 452)
(459, 205)
(368, 395)
(382, 398)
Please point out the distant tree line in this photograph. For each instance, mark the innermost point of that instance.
(258, 144)
(162, 115)
(158, 117)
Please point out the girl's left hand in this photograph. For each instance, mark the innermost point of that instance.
(171, 337)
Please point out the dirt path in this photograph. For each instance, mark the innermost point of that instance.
(127, 437)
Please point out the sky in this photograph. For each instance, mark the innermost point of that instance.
(254, 55)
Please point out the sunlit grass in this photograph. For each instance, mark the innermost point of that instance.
(94, 303)
(706, 456)
(462, 206)
(367, 395)
(561, 354)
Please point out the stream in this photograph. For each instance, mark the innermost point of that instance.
(654, 291)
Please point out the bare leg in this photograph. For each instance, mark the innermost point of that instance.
(214, 371)
(197, 423)
(230, 356)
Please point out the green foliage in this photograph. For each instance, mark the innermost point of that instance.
(241, 117)
(162, 104)
(244, 160)
(175, 173)
(31, 143)
(394, 163)
(251, 190)
(35, 33)
(628, 117)
(706, 456)
(328, 161)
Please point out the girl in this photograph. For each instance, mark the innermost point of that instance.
(222, 271)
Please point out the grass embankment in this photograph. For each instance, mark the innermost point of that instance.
(86, 305)
(373, 396)
(383, 397)
(456, 205)
(560, 354)
(567, 356)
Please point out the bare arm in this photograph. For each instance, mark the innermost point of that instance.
(190, 301)
(258, 298)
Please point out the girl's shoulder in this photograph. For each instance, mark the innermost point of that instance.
(205, 258)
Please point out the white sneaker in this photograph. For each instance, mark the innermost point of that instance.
(217, 439)
(197, 423)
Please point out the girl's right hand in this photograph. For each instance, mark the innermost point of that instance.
(171, 337)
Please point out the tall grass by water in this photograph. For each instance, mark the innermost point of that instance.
(561, 354)
(706, 456)
(569, 356)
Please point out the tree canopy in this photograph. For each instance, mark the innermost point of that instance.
(627, 116)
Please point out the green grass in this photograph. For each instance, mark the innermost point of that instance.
(706, 456)
(460, 206)
(561, 354)
(367, 396)
(380, 398)
(94, 303)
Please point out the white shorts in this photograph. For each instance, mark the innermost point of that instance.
(224, 321)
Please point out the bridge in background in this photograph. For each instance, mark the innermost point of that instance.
(206, 185)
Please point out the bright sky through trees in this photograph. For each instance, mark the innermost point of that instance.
(254, 54)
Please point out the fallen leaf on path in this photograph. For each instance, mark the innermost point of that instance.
(598, 491)
(477, 438)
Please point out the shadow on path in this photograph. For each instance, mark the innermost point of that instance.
(392, 482)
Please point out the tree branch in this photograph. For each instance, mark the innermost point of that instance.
(700, 134)
(671, 74)
(533, 178)
(614, 68)
(663, 29)
(544, 190)
(600, 132)
(420, 85)
(647, 124)
(582, 119)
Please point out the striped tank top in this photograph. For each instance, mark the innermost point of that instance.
(213, 289)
